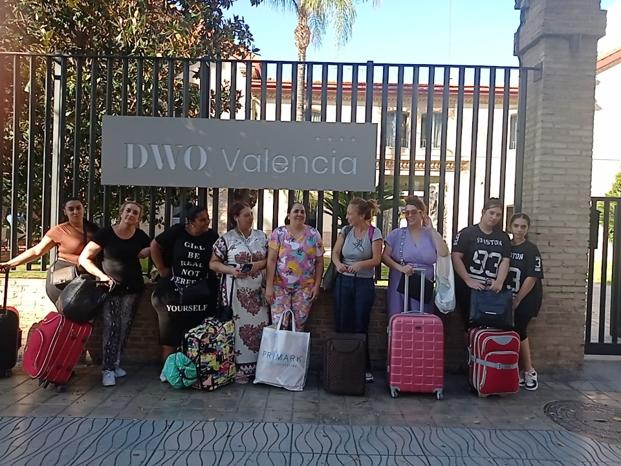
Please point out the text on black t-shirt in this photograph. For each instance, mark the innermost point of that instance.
(482, 253)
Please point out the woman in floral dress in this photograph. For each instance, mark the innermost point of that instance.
(239, 249)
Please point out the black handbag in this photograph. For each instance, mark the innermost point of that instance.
(197, 293)
(490, 309)
(224, 311)
(415, 287)
(81, 300)
(329, 277)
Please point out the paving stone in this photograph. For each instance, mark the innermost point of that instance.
(382, 440)
(259, 437)
(195, 435)
(512, 444)
(186, 457)
(451, 442)
(273, 458)
(337, 439)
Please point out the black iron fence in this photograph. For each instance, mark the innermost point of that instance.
(603, 326)
(451, 134)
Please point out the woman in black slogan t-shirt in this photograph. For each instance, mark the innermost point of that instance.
(187, 290)
(122, 245)
(480, 255)
(524, 280)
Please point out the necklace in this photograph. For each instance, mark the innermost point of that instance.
(243, 236)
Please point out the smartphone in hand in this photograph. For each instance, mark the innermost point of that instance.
(246, 268)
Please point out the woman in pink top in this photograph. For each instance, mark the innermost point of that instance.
(294, 267)
(70, 237)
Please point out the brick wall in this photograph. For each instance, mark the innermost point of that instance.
(561, 36)
(28, 295)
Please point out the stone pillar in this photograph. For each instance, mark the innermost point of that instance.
(560, 36)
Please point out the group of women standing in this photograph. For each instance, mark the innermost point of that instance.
(260, 276)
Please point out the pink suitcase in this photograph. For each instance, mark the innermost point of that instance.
(415, 350)
(493, 361)
(53, 349)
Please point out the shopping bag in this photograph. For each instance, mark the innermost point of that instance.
(283, 356)
(445, 285)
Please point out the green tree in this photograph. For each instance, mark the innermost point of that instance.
(615, 191)
(313, 17)
(192, 28)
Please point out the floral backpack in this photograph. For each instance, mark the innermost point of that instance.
(211, 346)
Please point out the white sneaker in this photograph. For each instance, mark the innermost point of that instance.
(119, 372)
(108, 379)
(530, 380)
(163, 377)
(521, 378)
(369, 377)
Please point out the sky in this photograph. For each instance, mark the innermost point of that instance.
(468, 32)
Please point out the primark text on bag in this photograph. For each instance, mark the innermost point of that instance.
(283, 356)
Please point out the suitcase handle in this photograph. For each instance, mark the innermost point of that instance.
(6, 289)
(406, 290)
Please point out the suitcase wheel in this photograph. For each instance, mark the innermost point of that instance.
(394, 392)
(440, 394)
(61, 388)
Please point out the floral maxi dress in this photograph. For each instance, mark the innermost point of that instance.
(250, 311)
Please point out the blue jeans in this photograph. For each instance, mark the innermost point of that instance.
(353, 300)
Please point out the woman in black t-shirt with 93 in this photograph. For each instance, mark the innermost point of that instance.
(524, 280)
(123, 245)
(481, 255)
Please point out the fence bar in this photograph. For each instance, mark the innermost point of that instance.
(15, 154)
(58, 139)
(593, 245)
(233, 92)
(396, 171)
(46, 189)
(109, 99)
(520, 142)
(505, 128)
(32, 103)
(124, 71)
(446, 83)
(185, 85)
(491, 103)
(324, 109)
(413, 129)
(615, 298)
(383, 135)
(476, 98)
(431, 88)
(77, 121)
(458, 141)
(92, 141)
(603, 289)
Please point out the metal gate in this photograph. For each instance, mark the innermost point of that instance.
(603, 325)
(451, 134)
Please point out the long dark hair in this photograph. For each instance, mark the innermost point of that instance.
(290, 208)
(88, 227)
(514, 217)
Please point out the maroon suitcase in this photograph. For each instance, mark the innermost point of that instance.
(415, 350)
(53, 349)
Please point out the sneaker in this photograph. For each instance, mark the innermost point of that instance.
(369, 377)
(521, 378)
(163, 377)
(119, 372)
(108, 379)
(530, 380)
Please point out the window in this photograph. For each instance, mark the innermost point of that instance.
(391, 129)
(513, 131)
(436, 129)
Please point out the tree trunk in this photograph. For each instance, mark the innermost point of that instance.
(302, 39)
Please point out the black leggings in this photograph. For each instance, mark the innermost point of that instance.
(528, 308)
(175, 319)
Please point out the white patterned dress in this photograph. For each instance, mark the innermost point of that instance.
(250, 311)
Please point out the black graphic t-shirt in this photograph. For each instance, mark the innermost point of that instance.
(525, 262)
(120, 258)
(482, 253)
(187, 255)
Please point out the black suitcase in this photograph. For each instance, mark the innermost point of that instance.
(344, 364)
(10, 334)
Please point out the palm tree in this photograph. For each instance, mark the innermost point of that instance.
(313, 17)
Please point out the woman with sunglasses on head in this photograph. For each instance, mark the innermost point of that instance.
(122, 246)
(416, 245)
(186, 292)
(481, 255)
(524, 281)
(294, 267)
(240, 255)
(69, 237)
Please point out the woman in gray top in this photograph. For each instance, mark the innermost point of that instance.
(358, 250)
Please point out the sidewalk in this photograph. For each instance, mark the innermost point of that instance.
(142, 421)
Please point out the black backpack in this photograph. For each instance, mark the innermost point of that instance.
(81, 300)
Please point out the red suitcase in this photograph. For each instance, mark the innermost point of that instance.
(493, 365)
(54, 347)
(10, 334)
(415, 350)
